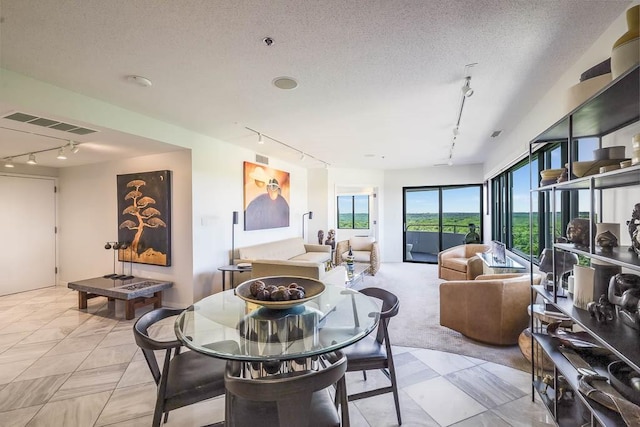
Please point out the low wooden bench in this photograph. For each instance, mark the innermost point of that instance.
(136, 292)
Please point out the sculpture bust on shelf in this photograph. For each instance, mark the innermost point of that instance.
(320, 236)
(472, 236)
(634, 229)
(578, 231)
(331, 239)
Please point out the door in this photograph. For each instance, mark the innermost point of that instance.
(27, 227)
(438, 218)
(421, 224)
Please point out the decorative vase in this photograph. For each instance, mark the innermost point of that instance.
(626, 50)
(583, 286)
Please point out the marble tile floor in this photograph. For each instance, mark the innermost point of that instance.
(60, 366)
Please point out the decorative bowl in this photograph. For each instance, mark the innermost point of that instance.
(625, 164)
(312, 288)
(592, 167)
(625, 380)
(551, 173)
(616, 152)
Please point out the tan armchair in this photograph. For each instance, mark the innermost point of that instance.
(491, 309)
(461, 262)
(364, 249)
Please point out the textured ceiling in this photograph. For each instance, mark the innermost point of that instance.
(379, 81)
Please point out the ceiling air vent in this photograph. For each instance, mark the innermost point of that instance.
(262, 159)
(49, 123)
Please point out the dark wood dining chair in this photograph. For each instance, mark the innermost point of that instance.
(374, 351)
(186, 377)
(293, 399)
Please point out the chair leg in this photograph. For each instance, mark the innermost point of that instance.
(341, 390)
(394, 386)
(364, 375)
(166, 417)
(157, 414)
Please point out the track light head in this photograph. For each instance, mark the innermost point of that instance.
(467, 91)
(73, 147)
(8, 163)
(61, 155)
(260, 140)
(32, 159)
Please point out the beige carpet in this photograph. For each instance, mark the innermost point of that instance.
(417, 324)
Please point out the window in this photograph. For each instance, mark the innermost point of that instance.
(512, 200)
(353, 212)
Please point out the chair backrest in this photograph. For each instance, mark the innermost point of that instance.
(148, 344)
(361, 243)
(292, 392)
(390, 307)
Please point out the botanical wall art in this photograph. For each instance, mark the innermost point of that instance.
(266, 197)
(144, 217)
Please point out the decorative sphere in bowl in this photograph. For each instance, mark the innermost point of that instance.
(279, 292)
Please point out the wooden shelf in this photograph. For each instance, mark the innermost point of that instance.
(603, 414)
(621, 339)
(621, 255)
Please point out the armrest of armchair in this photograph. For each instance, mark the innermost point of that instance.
(316, 248)
(341, 247)
(375, 258)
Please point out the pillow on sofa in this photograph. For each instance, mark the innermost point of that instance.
(361, 243)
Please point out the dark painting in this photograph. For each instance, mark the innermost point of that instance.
(144, 217)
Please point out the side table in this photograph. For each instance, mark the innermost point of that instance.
(231, 269)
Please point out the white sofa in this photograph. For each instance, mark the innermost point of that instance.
(291, 257)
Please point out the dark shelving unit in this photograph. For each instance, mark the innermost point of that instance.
(614, 107)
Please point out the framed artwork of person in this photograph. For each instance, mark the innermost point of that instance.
(266, 197)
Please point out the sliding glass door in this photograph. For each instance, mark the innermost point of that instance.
(437, 218)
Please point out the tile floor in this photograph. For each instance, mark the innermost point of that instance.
(60, 366)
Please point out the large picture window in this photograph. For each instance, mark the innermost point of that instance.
(353, 212)
(512, 200)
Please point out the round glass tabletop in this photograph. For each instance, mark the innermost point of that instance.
(224, 325)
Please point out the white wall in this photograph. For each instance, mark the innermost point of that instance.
(513, 144)
(88, 218)
(216, 186)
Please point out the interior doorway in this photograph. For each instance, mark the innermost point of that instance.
(27, 225)
(438, 218)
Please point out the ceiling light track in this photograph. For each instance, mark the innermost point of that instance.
(302, 154)
(73, 147)
(467, 91)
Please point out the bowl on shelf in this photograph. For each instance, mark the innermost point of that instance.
(625, 164)
(609, 168)
(625, 380)
(312, 288)
(606, 153)
(551, 173)
(592, 167)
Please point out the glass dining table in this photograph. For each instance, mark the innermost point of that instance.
(225, 326)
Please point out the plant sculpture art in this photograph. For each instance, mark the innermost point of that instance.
(145, 215)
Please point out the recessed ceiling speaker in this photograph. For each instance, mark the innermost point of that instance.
(285, 83)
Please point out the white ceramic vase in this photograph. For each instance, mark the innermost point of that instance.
(626, 50)
(582, 286)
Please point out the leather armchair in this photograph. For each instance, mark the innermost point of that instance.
(461, 262)
(491, 309)
(365, 249)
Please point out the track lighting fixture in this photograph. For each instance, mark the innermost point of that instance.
(62, 154)
(302, 154)
(467, 91)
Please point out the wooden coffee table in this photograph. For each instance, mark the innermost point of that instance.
(136, 292)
